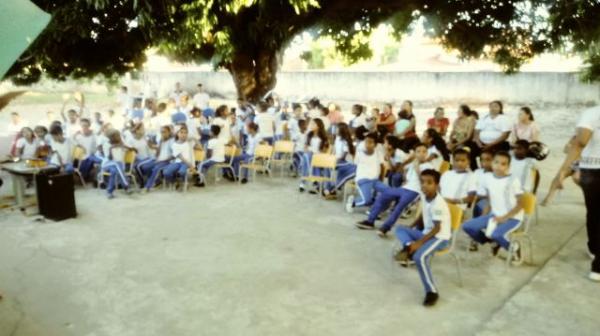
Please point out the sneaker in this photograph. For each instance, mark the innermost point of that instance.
(495, 249)
(301, 188)
(365, 225)
(473, 247)
(200, 184)
(591, 255)
(382, 233)
(594, 276)
(244, 180)
(430, 299)
(350, 204)
(517, 255)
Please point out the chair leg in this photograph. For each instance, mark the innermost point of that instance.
(458, 268)
(81, 178)
(510, 253)
(537, 211)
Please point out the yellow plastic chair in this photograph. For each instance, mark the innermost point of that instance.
(444, 167)
(456, 217)
(231, 151)
(78, 154)
(283, 152)
(522, 233)
(321, 161)
(261, 161)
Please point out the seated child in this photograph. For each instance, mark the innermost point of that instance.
(344, 150)
(183, 152)
(398, 160)
(316, 142)
(504, 193)
(437, 149)
(143, 156)
(27, 145)
(403, 196)
(299, 140)
(62, 150)
(521, 166)
(421, 245)
(115, 164)
(216, 150)
(459, 185)
(248, 153)
(369, 167)
(163, 158)
(485, 160)
(87, 140)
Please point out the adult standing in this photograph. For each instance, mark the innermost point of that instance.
(201, 98)
(386, 118)
(178, 94)
(493, 130)
(525, 128)
(586, 148)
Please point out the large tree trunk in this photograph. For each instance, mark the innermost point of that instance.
(254, 75)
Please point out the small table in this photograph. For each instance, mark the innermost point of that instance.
(19, 172)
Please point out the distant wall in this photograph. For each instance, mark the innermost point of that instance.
(527, 87)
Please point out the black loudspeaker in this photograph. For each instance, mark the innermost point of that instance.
(56, 196)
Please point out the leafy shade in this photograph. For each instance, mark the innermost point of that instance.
(247, 37)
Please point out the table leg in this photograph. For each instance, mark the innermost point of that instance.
(19, 190)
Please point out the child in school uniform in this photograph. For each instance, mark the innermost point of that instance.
(266, 123)
(115, 164)
(299, 140)
(248, 153)
(459, 185)
(521, 166)
(403, 196)
(359, 118)
(398, 160)
(437, 150)
(143, 154)
(292, 128)
(27, 145)
(163, 158)
(87, 140)
(504, 193)
(222, 120)
(316, 142)
(344, 150)
(369, 166)
(183, 152)
(216, 149)
(280, 124)
(421, 245)
(61, 150)
(485, 161)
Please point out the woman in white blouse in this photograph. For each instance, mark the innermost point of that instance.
(493, 130)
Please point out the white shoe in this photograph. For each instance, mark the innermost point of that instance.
(592, 256)
(594, 276)
(350, 204)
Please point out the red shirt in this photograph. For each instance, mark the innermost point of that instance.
(440, 125)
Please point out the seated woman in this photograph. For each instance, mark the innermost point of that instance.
(439, 122)
(493, 130)
(462, 132)
(525, 128)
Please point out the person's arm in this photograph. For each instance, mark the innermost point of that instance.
(391, 121)
(535, 133)
(581, 140)
(62, 110)
(414, 246)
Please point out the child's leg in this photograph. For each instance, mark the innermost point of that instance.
(182, 170)
(203, 167)
(395, 180)
(158, 166)
(365, 190)
(119, 172)
(382, 202)
(297, 162)
(502, 231)
(306, 158)
(407, 235)
(405, 197)
(68, 168)
(85, 167)
(479, 207)
(475, 228)
(422, 259)
(345, 173)
(144, 168)
(170, 171)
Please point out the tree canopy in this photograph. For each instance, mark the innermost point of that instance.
(247, 37)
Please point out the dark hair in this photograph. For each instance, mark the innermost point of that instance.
(403, 114)
(161, 107)
(215, 130)
(321, 134)
(85, 120)
(527, 111)
(419, 144)
(439, 143)
(433, 173)
(487, 151)
(254, 127)
(466, 110)
(360, 133)
(195, 111)
(56, 130)
(499, 103)
(373, 135)
(382, 132)
(376, 110)
(409, 102)
(503, 154)
(168, 128)
(220, 110)
(182, 127)
(41, 128)
(394, 142)
(359, 108)
(324, 110)
(199, 85)
(302, 123)
(345, 134)
(522, 143)
(263, 106)
(462, 151)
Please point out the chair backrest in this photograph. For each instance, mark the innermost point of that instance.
(284, 147)
(263, 152)
(456, 217)
(78, 153)
(321, 160)
(444, 167)
(528, 200)
(230, 150)
(199, 155)
(130, 157)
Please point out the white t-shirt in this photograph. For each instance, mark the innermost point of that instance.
(399, 156)
(29, 149)
(193, 126)
(71, 129)
(102, 142)
(266, 125)
(63, 149)
(492, 128)
(521, 169)
(315, 144)
(201, 100)
(358, 121)
(183, 149)
(479, 174)
(177, 96)
(458, 185)
(217, 146)
(164, 150)
(279, 124)
(340, 148)
(437, 162)
(293, 127)
(502, 193)
(88, 142)
(299, 141)
(251, 143)
(436, 210)
(225, 133)
(118, 154)
(368, 166)
(141, 146)
(413, 178)
(590, 156)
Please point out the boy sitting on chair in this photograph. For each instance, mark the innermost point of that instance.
(421, 245)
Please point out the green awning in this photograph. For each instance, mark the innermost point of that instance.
(20, 23)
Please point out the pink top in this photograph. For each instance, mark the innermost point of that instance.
(335, 117)
(529, 132)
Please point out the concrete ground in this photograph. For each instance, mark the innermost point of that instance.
(262, 259)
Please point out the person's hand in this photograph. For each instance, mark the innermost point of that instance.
(412, 248)
(559, 179)
(500, 219)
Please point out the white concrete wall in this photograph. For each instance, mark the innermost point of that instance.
(526, 87)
